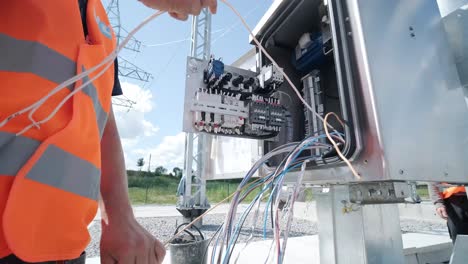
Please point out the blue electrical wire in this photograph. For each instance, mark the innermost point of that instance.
(213, 253)
(236, 232)
(244, 215)
(261, 181)
(236, 196)
(280, 177)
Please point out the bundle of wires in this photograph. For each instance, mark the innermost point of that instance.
(226, 238)
(225, 242)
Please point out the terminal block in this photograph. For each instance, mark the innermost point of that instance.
(229, 101)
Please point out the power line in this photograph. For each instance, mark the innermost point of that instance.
(167, 43)
(236, 24)
(179, 40)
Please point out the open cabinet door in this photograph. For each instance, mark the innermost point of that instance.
(310, 41)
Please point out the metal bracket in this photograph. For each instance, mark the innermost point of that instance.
(460, 251)
(383, 193)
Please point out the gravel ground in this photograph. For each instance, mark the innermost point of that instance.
(164, 227)
(417, 226)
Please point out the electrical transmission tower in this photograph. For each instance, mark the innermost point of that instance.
(126, 68)
(197, 146)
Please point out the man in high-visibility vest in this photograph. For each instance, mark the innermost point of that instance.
(60, 148)
(451, 205)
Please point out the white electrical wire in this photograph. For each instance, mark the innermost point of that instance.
(254, 221)
(228, 227)
(326, 124)
(276, 64)
(291, 208)
(111, 57)
(106, 62)
(57, 108)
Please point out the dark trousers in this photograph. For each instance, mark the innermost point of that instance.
(12, 259)
(457, 211)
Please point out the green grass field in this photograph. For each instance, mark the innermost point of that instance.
(162, 190)
(423, 191)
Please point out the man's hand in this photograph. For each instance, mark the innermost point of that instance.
(124, 241)
(181, 9)
(442, 212)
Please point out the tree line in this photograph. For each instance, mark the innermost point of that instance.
(159, 171)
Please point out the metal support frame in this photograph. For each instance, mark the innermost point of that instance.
(123, 101)
(460, 250)
(130, 70)
(201, 35)
(353, 233)
(197, 146)
(126, 68)
(113, 12)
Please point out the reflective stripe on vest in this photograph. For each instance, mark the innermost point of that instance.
(56, 167)
(16, 56)
(101, 115)
(14, 152)
(25, 56)
(50, 177)
(62, 170)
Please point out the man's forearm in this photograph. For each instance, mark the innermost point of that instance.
(114, 189)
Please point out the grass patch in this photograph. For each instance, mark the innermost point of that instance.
(162, 190)
(423, 191)
(153, 196)
(152, 190)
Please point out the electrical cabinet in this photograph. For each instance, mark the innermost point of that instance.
(394, 71)
(385, 67)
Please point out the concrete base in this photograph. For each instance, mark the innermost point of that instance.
(426, 248)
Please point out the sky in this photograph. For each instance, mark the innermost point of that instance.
(154, 125)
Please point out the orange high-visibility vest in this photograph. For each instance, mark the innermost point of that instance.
(49, 177)
(447, 192)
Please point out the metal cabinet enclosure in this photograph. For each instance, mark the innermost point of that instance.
(397, 82)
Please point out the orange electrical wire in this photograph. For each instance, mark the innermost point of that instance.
(326, 125)
(338, 151)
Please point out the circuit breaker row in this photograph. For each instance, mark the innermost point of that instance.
(235, 102)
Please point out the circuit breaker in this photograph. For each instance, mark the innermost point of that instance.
(228, 101)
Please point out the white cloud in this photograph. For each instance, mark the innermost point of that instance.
(134, 127)
(142, 97)
(169, 153)
(131, 122)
